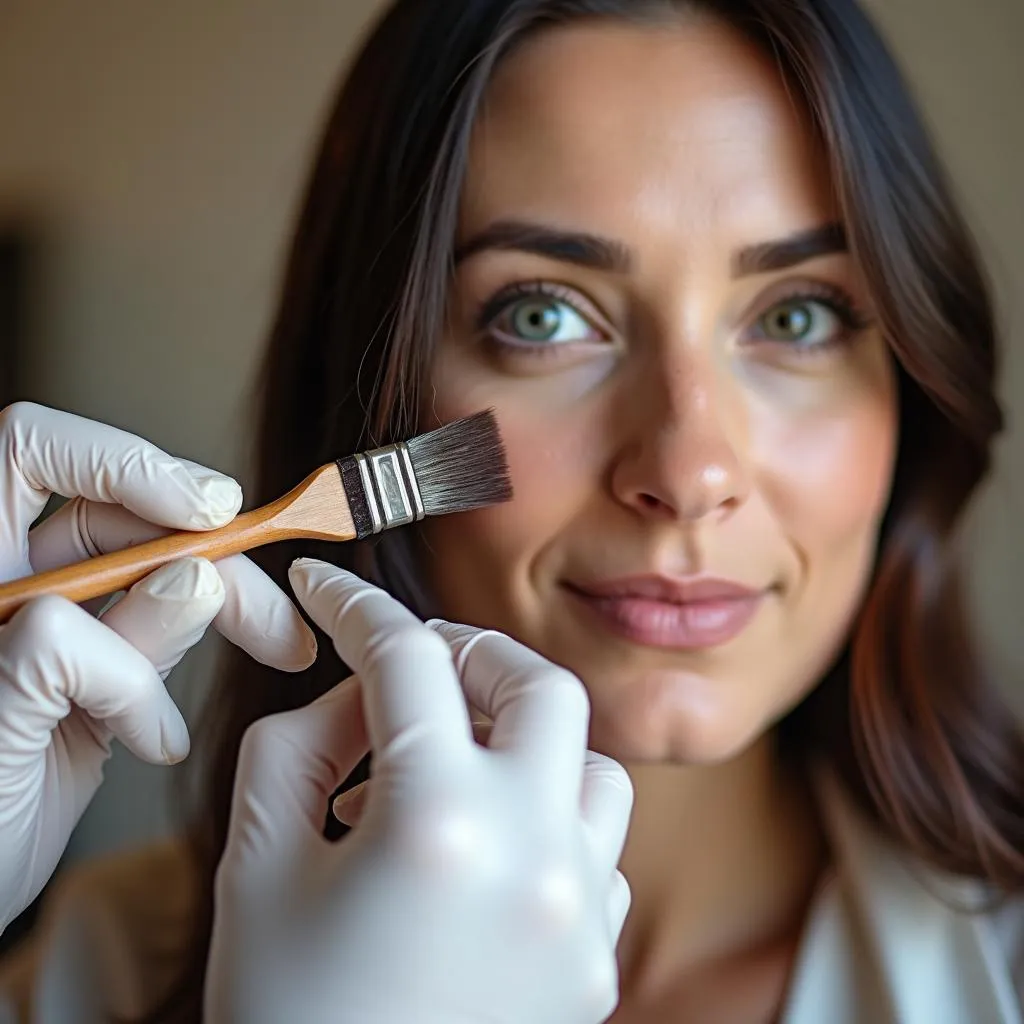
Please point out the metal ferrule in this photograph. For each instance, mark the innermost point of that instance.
(389, 483)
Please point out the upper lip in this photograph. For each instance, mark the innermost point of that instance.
(672, 590)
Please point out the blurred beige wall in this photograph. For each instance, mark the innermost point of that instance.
(157, 149)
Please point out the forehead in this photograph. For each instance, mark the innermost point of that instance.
(680, 125)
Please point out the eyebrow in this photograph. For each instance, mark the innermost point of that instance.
(611, 256)
(788, 252)
(577, 247)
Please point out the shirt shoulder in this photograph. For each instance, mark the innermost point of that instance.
(1007, 923)
(934, 946)
(112, 932)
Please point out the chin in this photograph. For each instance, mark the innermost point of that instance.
(676, 720)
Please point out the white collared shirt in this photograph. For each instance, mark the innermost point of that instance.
(888, 939)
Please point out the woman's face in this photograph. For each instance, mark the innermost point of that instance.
(653, 293)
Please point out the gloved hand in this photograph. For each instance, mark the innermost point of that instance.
(70, 682)
(480, 883)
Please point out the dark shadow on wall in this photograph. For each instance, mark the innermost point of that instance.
(14, 269)
(15, 255)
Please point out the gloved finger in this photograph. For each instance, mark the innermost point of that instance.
(53, 655)
(540, 711)
(606, 802)
(167, 613)
(44, 451)
(413, 702)
(619, 899)
(82, 529)
(256, 615)
(348, 807)
(259, 617)
(288, 766)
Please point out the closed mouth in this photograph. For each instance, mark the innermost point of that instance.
(692, 614)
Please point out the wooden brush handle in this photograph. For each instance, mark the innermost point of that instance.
(106, 574)
(316, 509)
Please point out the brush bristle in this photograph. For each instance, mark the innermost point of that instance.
(461, 466)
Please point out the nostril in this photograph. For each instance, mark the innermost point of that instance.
(649, 501)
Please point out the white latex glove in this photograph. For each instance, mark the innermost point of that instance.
(70, 683)
(480, 883)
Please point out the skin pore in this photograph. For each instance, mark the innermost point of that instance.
(653, 293)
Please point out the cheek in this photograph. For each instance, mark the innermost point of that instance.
(830, 479)
(827, 472)
(483, 558)
(827, 478)
(548, 438)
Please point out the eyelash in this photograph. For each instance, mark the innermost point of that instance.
(836, 299)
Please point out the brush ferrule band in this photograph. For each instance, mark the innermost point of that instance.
(389, 483)
(370, 493)
(410, 478)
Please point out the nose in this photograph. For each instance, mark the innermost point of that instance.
(682, 452)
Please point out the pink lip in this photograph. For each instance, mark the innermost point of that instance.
(689, 614)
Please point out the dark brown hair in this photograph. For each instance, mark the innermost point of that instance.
(906, 716)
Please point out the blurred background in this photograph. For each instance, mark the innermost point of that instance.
(151, 157)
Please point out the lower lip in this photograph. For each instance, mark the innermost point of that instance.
(691, 626)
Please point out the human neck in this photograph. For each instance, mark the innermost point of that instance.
(720, 861)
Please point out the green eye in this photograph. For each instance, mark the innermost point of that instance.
(541, 319)
(804, 322)
(536, 319)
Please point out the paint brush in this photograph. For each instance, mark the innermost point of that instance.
(458, 467)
